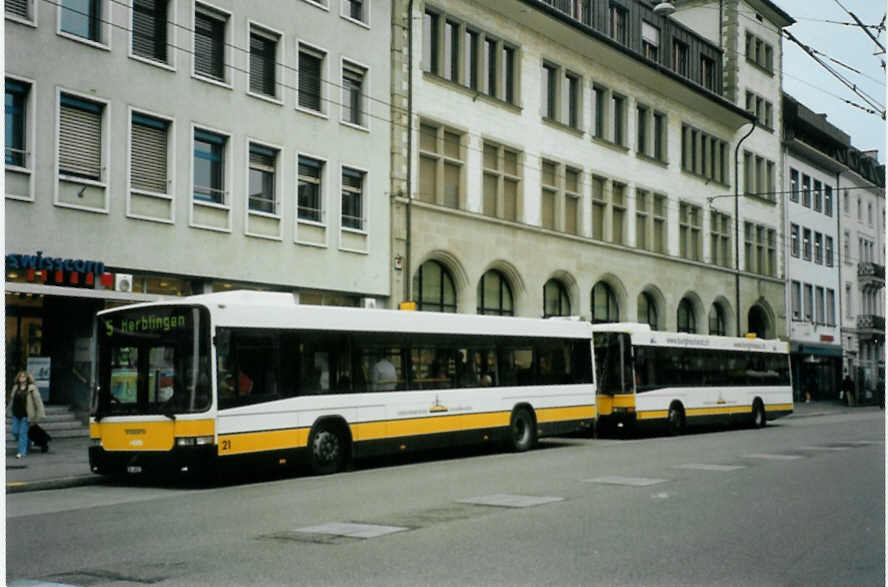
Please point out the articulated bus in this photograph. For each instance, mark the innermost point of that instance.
(674, 379)
(254, 376)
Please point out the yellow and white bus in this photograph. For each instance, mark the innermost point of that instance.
(671, 378)
(227, 377)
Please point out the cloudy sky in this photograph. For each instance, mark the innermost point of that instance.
(815, 87)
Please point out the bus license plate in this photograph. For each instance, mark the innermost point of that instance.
(134, 469)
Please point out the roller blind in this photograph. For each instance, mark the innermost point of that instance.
(80, 138)
(209, 46)
(148, 155)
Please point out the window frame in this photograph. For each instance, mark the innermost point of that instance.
(171, 39)
(32, 12)
(365, 9)
(225, 174)
(102, 24)
(224, 16)
(323, 184)
(28, 139)
(364, 220)
(351, 66)
(323, 99)
(277, 175)
(106, 145)
(278, 65)
(504, 290)
(170, 194)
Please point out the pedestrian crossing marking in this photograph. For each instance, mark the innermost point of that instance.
(705, 467)
(510, 501)
(350, 530)
(630, 481)
(773, 457)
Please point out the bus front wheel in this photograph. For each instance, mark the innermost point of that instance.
(328, 449)
(759, 420)
(676, 420)
(522, 431)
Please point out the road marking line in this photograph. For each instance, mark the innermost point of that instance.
(510, 501)
(351, 530)
(630, 481)
(831, 448)
(773, 457)
(703, 467)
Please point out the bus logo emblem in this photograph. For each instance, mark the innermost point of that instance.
(437, 407)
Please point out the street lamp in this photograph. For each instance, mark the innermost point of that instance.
(737, 225)
(664, 8)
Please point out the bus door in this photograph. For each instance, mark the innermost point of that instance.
(614, 371)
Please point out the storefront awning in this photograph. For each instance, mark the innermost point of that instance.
(823, 350)
(80, 292)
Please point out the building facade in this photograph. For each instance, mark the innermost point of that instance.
(811, 224)
(578, 158)
(158, 148)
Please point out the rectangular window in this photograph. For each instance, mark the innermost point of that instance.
(20, 9)
(81, 18)
(430, 43)
(263, 52)
(80, 137)
(830, 307)
(809, 303)
(490, 66)
(806, 191)
(209, 43)
(501, 179)
(573, 101)
(641, 128)
(549, 194)
(794, 242)
(353, 94)
(356, 10)
(679, 57)
(451, 51)
(828, 251)
(793, 185)
(471, 56)
(262, 195)
(818, 248)
(827, 200)
(818, 196)
(619, 111)
(572, 200)
(659, 236)
(550, 92)
(310, 204)
(209, 167)
(720, 242)
(806, 244)
(796, 293)
(642, 203)
(16, 106)
(707, 73)
(618, 24)
(618, 213)
(149, 36)
(509, 74)
(650, 41)
(689, 231)
(819, 303)
(660, 136)
(441, 160)
(600, 111)
(352, 199)
(599, 207)
(148, 154)
(310, 62)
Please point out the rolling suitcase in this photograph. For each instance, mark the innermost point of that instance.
(39, 436)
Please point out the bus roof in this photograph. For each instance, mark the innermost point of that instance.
(642, 335)
(280, 310)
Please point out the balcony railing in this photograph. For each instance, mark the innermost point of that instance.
(871, 273)
(871, 326)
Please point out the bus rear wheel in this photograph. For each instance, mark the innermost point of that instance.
(328, 450)
(676, 420)
(759, 420)
(522, 431)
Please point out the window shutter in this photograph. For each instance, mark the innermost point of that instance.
(80, 139)
(19, 8)
(148, 155)
(209, 46)
(149, 29)
(309, 81)
(262, 78)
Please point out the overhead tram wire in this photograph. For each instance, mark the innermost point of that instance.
(460, 144)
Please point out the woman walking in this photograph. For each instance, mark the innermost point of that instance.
(25, 406)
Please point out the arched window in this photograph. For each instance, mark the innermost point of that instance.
(433, 288)
(495, 295)
(758, 322)
(717, 321)
(604, 304)
(555, 299)
(686, 320)
(647, 310)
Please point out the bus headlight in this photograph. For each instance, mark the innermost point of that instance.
(194, 441)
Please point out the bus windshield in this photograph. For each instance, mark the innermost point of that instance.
(153, 361)
(613, 363)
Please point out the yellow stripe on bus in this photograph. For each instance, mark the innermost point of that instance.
(232, 444)
(779, 408)
(563, 414)
(691, 412)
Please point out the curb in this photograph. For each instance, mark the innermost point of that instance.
(46, 484)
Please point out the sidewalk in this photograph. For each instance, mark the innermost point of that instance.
(67, 462)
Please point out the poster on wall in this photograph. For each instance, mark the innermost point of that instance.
(39, 367)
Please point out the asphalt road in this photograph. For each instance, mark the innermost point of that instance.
(801, 502)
